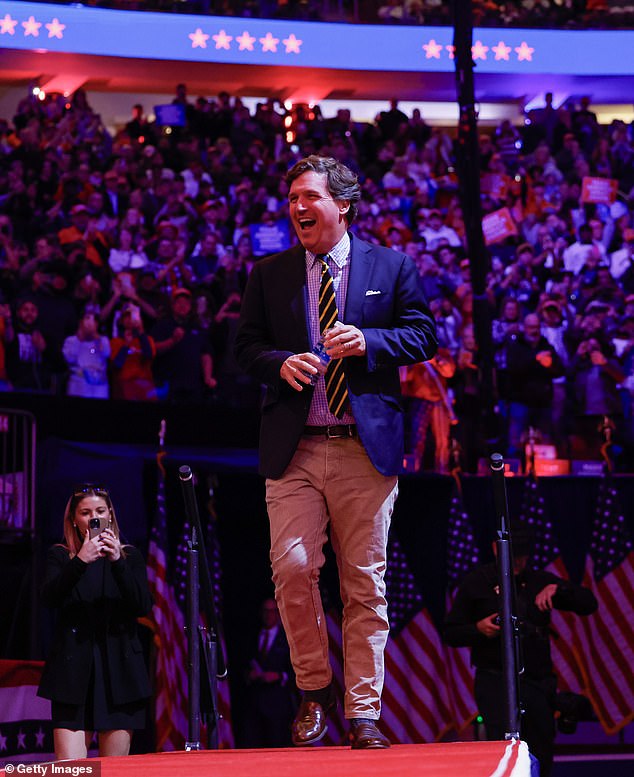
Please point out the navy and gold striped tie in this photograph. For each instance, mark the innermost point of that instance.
(336, 389)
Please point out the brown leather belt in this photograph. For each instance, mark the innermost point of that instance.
(331, 432)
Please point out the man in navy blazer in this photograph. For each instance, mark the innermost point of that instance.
(332, 460)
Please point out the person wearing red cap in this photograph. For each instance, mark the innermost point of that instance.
(82, 233)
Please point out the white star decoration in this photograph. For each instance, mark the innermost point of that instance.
(39, 737)
(198, 39)
(478, 50)
(21, 740)
(269, 43)
(502, 51)
(292, 44)
(31, 27)
(223, 40)
(432, 49)
(55, 29)
(245, 41)
(3, 742)
(7, 25)
(524, 52)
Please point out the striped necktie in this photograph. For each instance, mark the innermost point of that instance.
(336, 389)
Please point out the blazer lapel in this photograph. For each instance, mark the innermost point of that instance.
(361, 263)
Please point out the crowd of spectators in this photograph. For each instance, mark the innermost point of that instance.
(557, 14)
(123, 257)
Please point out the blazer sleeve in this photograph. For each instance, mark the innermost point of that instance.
(61, 575)
(412, 336)
(254, 350)
(130, 575)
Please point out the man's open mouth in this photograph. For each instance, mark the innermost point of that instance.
(306, 223)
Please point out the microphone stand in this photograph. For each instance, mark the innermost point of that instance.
(202, 641)
(508, 620)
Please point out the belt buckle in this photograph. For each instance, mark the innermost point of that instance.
(332, 435)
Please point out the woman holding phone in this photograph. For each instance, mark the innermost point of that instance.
(95, 674)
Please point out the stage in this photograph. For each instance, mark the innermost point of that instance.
(467, 759)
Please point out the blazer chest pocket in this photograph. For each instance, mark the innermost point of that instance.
(377, 310)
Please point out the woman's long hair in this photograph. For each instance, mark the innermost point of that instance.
(72, 539)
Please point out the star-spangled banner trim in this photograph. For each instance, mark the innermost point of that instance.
(234, 40)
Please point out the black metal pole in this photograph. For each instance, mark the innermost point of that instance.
(193, 644)
(214, 660)
(468, 169)
(508, 620)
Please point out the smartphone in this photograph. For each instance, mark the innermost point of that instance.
(96, 526)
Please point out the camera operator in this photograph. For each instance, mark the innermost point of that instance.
(474, 622)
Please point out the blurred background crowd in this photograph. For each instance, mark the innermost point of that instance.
(123, 258)
(572, 14)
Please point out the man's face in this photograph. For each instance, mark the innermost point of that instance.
(531, 329)
(182, 306)
(319, 220)
(27, 313)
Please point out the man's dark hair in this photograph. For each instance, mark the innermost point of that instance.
(341, 182)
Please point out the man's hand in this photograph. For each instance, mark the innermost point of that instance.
(344, 340)
(544, 599)
(488, 626)
(299, 368)
(178, 334)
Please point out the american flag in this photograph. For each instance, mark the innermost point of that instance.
(605, 639)
(545, 554)
(170, 702)
(462, 556)
(594, 655)
(415, 702)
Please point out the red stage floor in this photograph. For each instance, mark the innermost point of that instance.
(456, 759)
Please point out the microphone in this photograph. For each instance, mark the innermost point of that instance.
(185, 473)
(496, 462)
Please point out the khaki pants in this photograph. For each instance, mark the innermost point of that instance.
(333, 480)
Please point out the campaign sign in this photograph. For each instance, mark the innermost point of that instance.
(497, 226)
(269, 238)
(600, 190)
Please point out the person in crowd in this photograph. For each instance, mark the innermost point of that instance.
(83, 233)
(127, 255)
(132, 353)
(474, 621)
(430, 408)
(331, 451)
(87, 354)
(595, 375)
(555, 328)
(531, 365)
(95, 674)
(183, 368)
(32, 361)
(271, 695)
(436, 233)
(6, 335)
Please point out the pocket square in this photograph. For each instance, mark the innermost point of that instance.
(372, 292)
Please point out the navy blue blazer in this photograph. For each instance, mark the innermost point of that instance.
(384, 299)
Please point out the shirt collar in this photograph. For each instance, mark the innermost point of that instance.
(339, 253)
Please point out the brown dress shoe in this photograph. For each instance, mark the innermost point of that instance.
(364, 735)
(310, 723)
